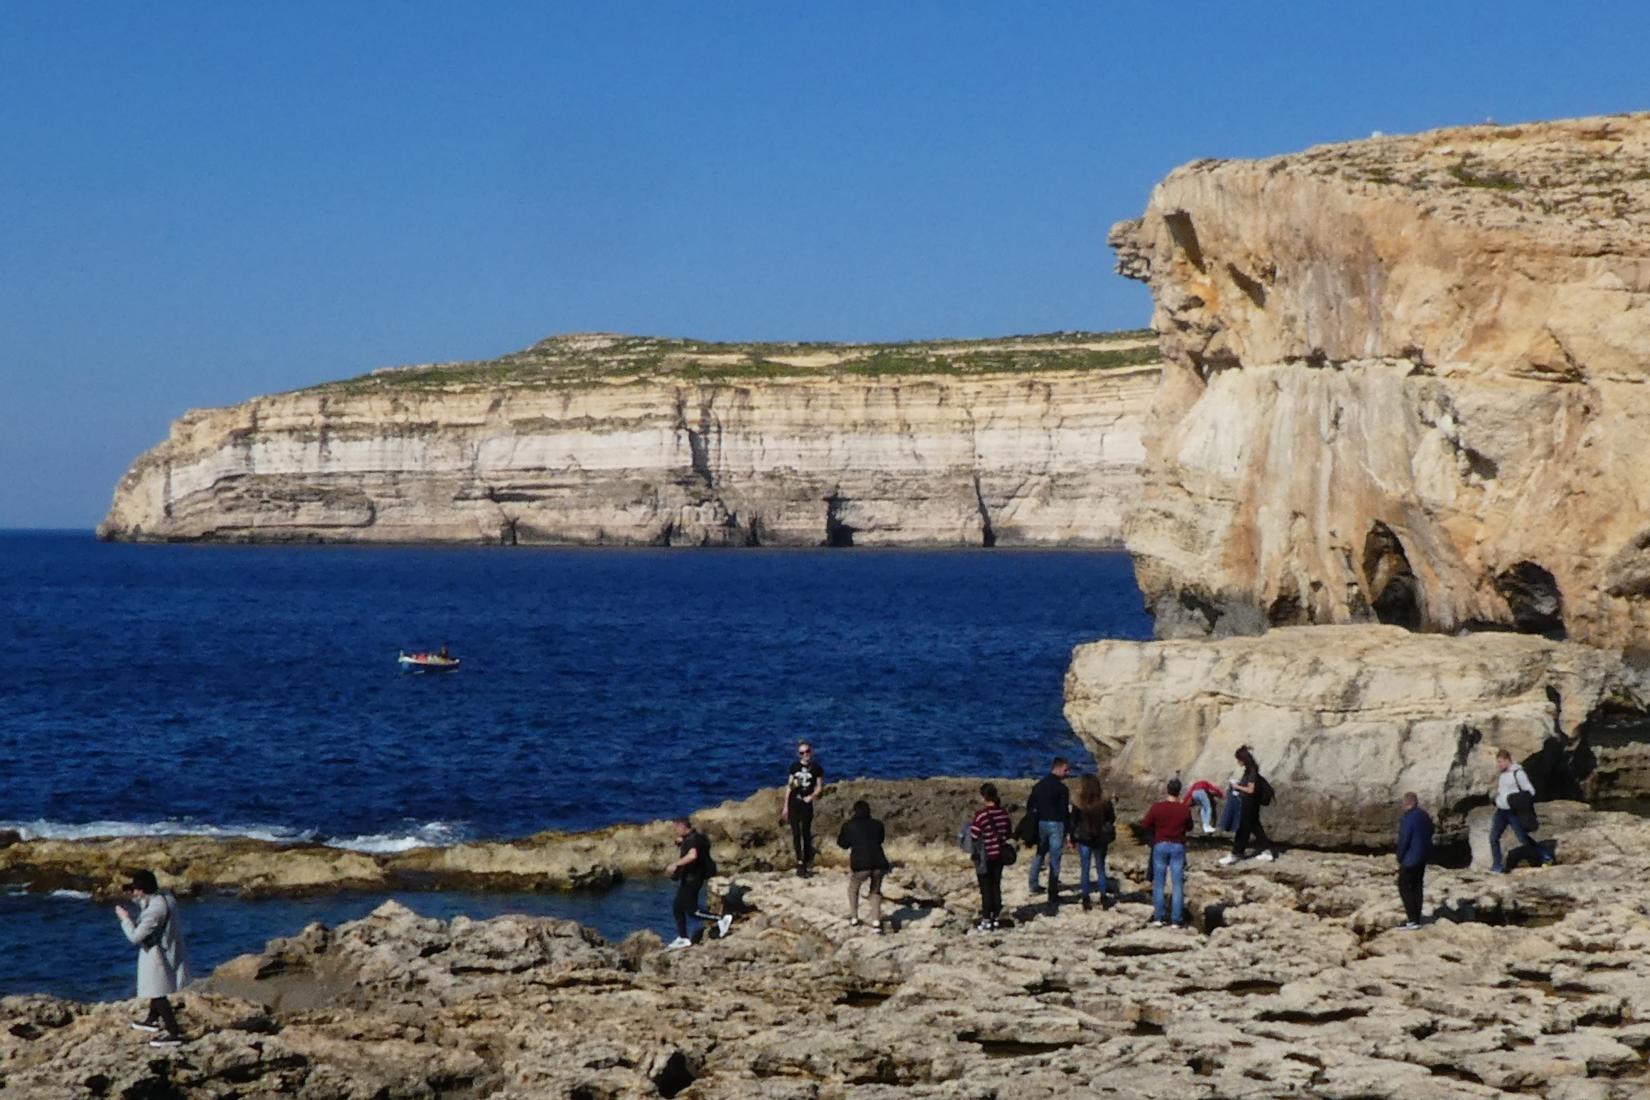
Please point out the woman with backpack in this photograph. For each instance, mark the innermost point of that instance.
(990, 836)
(1094, 827)
(1255, 792)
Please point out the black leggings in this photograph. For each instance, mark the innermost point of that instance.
(160, 1012)
(991, 889)
(1249, 828)
(686, 902)
(802, 831)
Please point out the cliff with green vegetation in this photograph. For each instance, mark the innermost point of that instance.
(601, 439)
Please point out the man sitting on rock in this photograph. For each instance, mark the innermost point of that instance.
(1167, 822)
(1414, 849)
(1514, 799)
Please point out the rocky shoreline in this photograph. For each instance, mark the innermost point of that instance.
(1295, 982)
(922, 815)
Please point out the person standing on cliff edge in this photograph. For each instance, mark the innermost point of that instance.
(1414, 849)
(163, 965)
(1050, 801)
(803, 786)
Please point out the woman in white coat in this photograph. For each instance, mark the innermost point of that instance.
(163, 965)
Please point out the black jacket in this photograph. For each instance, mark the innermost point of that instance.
(1050, 800)
(862, 836)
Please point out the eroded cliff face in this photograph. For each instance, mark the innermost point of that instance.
(761, 451)
(1406, 382)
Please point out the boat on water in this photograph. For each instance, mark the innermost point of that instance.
(427, 662)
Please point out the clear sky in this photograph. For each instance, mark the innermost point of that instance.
(200, 203)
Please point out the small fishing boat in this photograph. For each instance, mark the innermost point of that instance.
(426, 662)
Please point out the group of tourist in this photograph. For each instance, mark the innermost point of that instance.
(1054, 821)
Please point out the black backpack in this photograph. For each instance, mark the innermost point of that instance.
(1264, 794)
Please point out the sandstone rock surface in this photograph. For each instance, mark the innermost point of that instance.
(1405, 380)
(599, 440)
(1295, 983)
(1344, 720)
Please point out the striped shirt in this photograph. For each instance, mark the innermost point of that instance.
(992, 827)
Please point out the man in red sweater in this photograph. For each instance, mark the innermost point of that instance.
(1167, 822)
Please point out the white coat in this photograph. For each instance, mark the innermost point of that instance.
(163, 968)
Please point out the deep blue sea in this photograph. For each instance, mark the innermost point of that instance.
(255, 689)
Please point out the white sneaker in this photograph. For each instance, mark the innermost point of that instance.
(1410, 926)
(167, 1041)
(1227, 860)
(139, 1025)
(678, 943)
(1207, 829)
(1154, 923)
(1266, 857)
(723, 923)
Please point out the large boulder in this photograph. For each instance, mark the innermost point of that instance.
(1345, 719)
(1405, 383)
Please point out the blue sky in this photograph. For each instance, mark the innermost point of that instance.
(200, 203)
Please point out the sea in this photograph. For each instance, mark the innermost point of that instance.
(229, 690)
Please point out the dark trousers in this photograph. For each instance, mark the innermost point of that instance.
(802, 831)
(1498, 825)
(991, 889)
(1410, 881)
(1249, 828)
(686, 902)
(160, 1012)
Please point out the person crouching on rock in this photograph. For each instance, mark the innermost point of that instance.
(692, 867)
(1414, 849)
(163, 964)
(990, 832)
(1204, 795)
(1167, 822)
(862, 835)
(1093, 827)
(1251, 787)
(1514, 802)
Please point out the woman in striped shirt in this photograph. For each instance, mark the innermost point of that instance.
(990, 832)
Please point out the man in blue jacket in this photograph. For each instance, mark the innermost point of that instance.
(1414, 849)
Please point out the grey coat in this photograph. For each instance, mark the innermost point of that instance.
(163, 967)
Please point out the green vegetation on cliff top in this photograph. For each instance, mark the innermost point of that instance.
(583, 359)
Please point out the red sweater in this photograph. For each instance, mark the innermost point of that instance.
(1168, 821)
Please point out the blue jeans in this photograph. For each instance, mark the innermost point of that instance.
(1170, 859)
(1086, 854)
(1230, 811)
(1205, 807)
(1052, 837)
(1498, 825)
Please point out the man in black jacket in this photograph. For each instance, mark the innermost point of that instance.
(862, 835)
(692, 867)
(1050, 803)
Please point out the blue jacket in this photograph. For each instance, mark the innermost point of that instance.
(1414, 838)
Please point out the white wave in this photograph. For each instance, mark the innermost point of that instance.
(104, 830)
(431, 834)
(78, 895)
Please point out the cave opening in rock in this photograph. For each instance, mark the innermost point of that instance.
(1185, 235)
(837, 532)
(1394, 594)
(1533, 597)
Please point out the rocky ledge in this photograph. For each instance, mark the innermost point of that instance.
(1295, 982)
(921, 815)
(604, 440)
(1345, 719)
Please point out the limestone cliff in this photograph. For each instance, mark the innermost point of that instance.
(1406, 382)
(614, 440)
